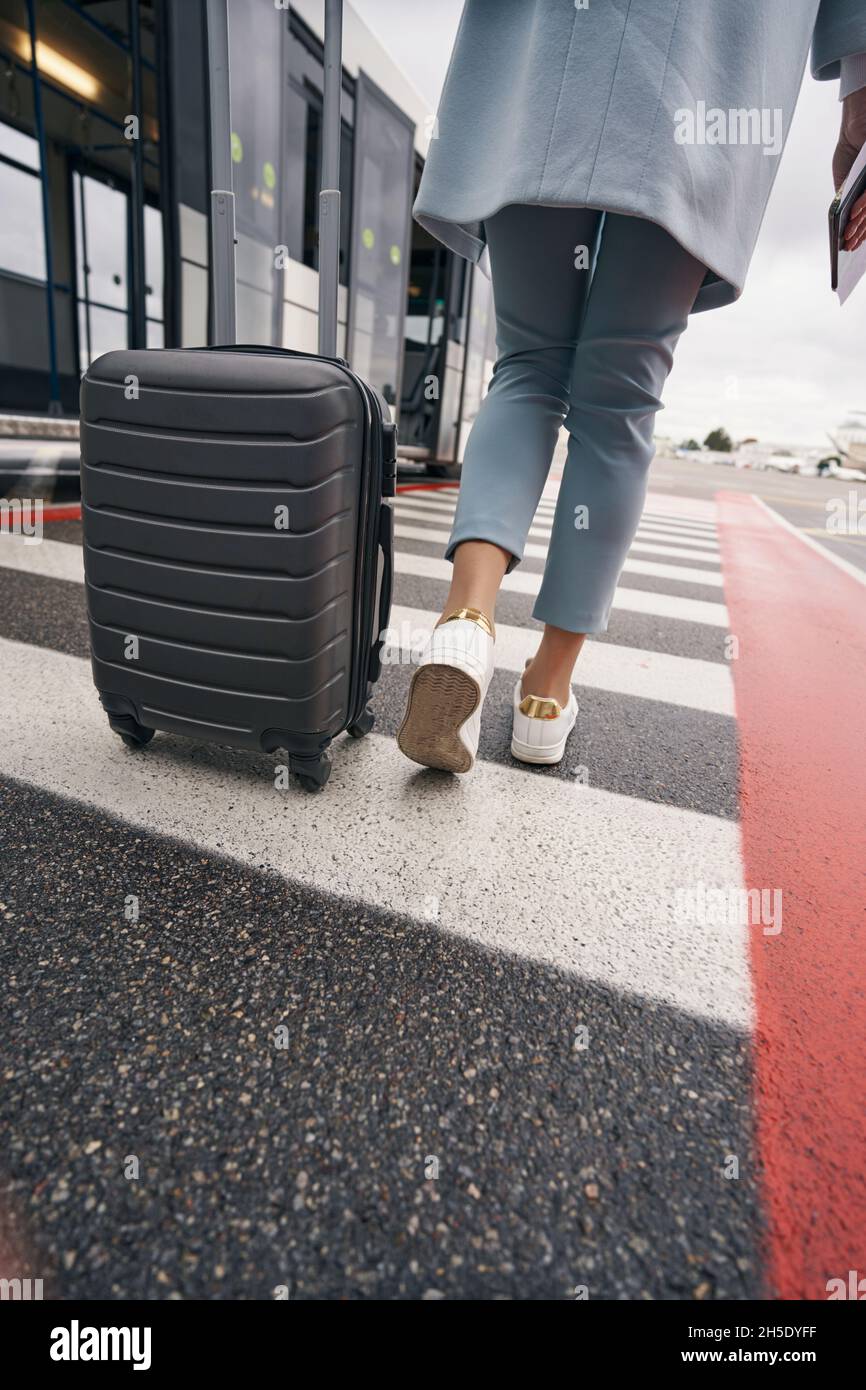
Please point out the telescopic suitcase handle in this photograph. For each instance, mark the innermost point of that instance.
(329, 196)
(223, 199)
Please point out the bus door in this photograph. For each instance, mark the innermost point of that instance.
(382, 190)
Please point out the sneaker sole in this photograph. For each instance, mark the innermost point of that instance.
(525, 753)
(441, 699)
(537, 755)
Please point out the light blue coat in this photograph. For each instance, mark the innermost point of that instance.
(673, 110)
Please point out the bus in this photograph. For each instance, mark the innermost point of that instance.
(104, 184)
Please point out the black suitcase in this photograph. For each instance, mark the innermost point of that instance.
(237, 540)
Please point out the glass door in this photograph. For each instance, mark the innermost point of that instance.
(480, 353)
(384, 152)
(101, 255)
(102, 244)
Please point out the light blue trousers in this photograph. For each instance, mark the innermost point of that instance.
(589, 353)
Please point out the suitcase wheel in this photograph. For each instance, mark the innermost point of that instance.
(134, 735)
(312, 773)
(363, 724)
(134, 741)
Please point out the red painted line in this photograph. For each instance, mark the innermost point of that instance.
(65, 511)
(800, 683)
(425, 487)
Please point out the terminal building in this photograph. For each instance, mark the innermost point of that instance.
(104, 189)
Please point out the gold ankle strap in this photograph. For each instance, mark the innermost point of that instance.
(474, 615)
(540, 707)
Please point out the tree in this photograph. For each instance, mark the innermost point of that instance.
(720, 440)
(690, 444)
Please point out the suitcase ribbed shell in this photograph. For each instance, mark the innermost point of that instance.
(246, 631)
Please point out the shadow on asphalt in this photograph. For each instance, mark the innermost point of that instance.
(407, 1050)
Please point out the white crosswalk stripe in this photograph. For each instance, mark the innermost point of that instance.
(576, 877)
(646, 544)
(675, 536)
(681, 507)
(40, 476)
(49, 559)
(674, 680)
(440, 512)
(685, 511)
(692, 533)
(539, 552)
(56, 560)
(520, 581)
(614, 869)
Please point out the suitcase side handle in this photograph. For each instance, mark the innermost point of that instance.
(386, 545)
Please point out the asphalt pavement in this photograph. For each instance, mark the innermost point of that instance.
(415, 1037)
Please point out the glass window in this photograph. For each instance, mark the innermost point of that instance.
(22, 238)
(302, 129)
(255, 33)
(153, 262)
(312, 175)
(425, 313)
(313, 182)
(99, 331)
(102, 251)
(101, 226)
(18, 146)
(478, 344)
(293, 223)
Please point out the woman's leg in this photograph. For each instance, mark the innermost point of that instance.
(540, 282)
(642, 290)
(538, 259)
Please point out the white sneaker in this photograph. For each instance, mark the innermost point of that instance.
(442, 723)
(541, 727)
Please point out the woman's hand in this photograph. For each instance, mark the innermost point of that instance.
(852, 137)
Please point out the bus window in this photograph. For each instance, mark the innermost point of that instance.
(312, 184)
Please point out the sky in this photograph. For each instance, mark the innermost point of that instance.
(785, 363)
